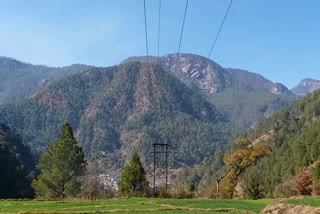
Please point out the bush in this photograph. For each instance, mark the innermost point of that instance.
(179, 192)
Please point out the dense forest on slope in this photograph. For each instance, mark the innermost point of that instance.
(118, 110)
(16, 162)
(245, 106)
(294, 138)
(18, 80)
(241, 96)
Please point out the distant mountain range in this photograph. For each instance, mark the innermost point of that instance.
(19, 80)
(306, 86)
(186, 100)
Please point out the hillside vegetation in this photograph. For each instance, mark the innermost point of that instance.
(241, 96)
(16, 162)
(295, 144)
(118, 110)
(19, 80)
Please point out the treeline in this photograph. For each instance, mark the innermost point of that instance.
(243, 105)
(291, 168)
(295, 145)
(16, 166)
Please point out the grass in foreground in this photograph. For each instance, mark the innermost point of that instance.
(135, 205)
(308, 201)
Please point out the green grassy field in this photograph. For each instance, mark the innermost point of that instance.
(135, 205)
(309, 201)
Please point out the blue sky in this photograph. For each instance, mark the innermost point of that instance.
(277, 39)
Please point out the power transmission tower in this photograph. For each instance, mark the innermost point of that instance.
(160, 168)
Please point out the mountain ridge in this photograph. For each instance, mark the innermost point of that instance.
(19, 80)
(223, 87)
(306, 86)
(121, 109)
(239, 99)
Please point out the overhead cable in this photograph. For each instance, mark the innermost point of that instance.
(224, 18)
(159, 28)
(184, 19)
(146, 30)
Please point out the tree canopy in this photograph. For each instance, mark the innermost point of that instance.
(61, 167)
(246, 154)
(133, 180)
(16, 162)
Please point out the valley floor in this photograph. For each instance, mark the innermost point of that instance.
(146, 205)
(135, 205)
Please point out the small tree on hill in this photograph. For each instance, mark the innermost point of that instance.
(133, 180)
(61, 167)
(254, 183)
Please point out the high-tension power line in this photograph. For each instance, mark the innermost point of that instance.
(159, 28)
(224, 18)
(146, 29)
(184, 19)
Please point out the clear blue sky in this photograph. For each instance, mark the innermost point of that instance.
(278, 39)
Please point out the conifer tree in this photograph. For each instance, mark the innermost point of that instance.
(61, 168)
(133, 180)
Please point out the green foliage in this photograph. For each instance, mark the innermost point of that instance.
(254, 183)
(137, 205)
(61, 167)
(295, 144)
(316, 177)
(133, 179)
(308, 201)
(245, 106)
(112, 118)
(16, 162)
(245, 155)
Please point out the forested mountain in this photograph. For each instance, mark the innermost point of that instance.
(19, 80)
(293, 134)
(241, 96)
(305, 87)
(257, 82)
(16, 162)
(118, 110)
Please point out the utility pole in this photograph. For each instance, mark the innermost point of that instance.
(159, 148)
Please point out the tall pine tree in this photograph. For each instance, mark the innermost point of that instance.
(133, 179)
(61, 168)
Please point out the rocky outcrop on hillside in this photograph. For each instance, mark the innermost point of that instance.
(241, 96)
(306, 86)
(210, 77)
